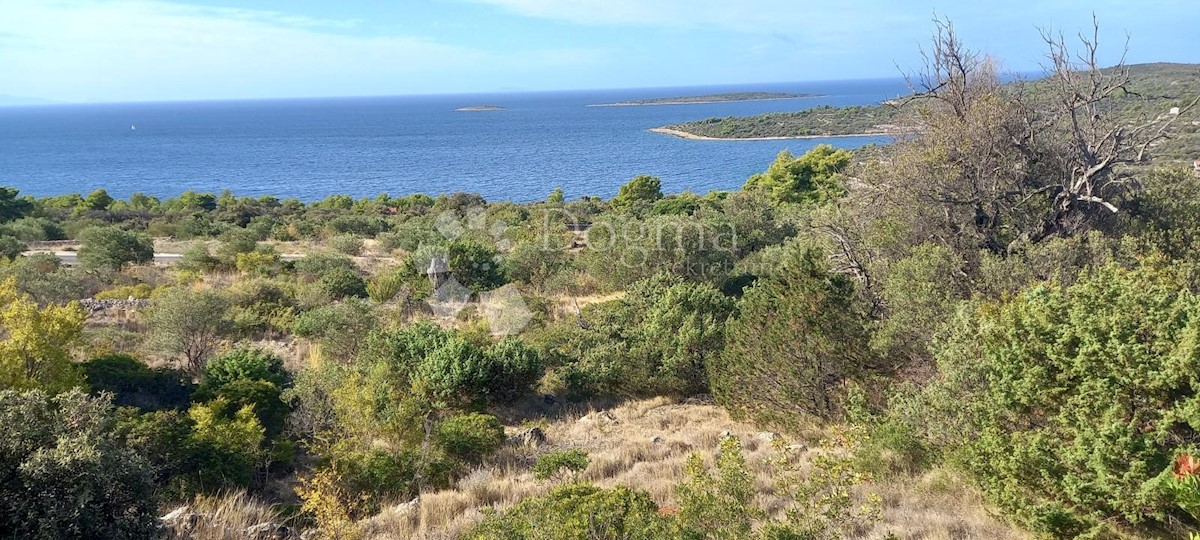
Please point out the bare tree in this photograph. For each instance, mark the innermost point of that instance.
(1094, 150)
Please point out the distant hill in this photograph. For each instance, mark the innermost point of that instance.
(16, 101)
(710, 98)
(1154, 90)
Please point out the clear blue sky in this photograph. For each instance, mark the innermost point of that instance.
(135, 50)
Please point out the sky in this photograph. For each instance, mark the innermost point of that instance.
(155, 50)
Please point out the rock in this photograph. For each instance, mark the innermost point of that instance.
(410, 506)
(767, 436)
(268, 531)
(656, 440)
(93, 306)
(179, 523)
(599, 417)
(797, 447)
(532, 438)
(725, 434)
(699, 399)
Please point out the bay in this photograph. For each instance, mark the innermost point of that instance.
(313, 148)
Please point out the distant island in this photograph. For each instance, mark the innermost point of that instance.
(817, 122)
(479, 108)
(710, 98)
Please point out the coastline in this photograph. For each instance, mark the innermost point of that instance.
(694, 137)
(699, 102)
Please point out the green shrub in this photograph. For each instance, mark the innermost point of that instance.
(718, 506)
(263, 261)
(264, 399)
(315, 265)
(196, 258)
(244, 364)
(346, 244)
(111, 248)
(578, 512)
(411, 235)
(188, 324)
(13, 207)
(43, 277)
(31, 229)
(234, 242)
(470, 437)
(534, 263)
(228, 440)
(476, 266)
(797, 340)
(812, 177)
(357, 225)
(140, 290)
(342, 282)
(66, 475)
(133, 383)
(378, 476)
(384, 287)
(641, 190)
(340, 328)
(11, 247)
(1071, 402)
(560, 464)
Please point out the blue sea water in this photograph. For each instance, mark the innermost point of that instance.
(313, 148)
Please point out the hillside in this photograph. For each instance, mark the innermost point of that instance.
(1154, 90)
(644, 444)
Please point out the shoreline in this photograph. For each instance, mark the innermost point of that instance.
(631, 104)
(694, 137)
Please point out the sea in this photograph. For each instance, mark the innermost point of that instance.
(364, 146)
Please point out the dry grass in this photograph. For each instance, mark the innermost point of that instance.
(644, 444)
(226, 517)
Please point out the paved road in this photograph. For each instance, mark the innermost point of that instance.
(70, 258)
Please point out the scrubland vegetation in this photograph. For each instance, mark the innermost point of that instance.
(989, 330)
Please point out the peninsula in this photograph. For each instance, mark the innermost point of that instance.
(1162, 82)
(710, 98)
(479, 108)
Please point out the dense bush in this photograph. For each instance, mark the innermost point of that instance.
(1072, 401)
(244, 364)
(470, 436)
(36, 342)
(560, 464)
(810, 178)
(796, 342)
(347, 244)
(476, 266)
(111, 248)
(11, 247)
(135, 384)
(340, 283)
(578, 512)
(638, 192)
(63, 474)
(44, 278)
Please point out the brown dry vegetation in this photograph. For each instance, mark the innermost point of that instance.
(644, 444)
